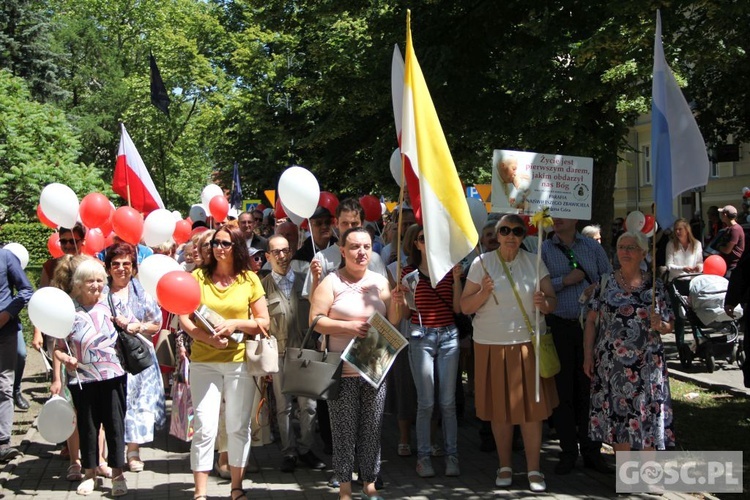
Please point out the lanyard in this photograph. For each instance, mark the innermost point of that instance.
(515, 292)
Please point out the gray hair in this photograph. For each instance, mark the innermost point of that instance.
(86, 270)
(640, 239)
(591, 231)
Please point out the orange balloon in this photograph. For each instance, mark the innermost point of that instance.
(127, 223)
(94, 210)
(178, 292)
(53, 245)
(716, 265)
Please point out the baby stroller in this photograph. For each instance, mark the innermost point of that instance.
(701, 304)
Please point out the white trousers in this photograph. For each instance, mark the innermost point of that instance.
(209, 383)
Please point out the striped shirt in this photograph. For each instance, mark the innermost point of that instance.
(434, 305)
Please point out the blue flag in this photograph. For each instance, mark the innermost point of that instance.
(679, 156)
(235, 197)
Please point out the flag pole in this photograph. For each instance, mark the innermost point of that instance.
(127, 174)
(481, 262)
(537, 334)
(401, 192)
(653, 262)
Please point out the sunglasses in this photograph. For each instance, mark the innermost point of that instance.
(257, 258)
(70, 241)
(121, 264)
(257, 220)
(420, 238)
(517, 231)
(221, 243)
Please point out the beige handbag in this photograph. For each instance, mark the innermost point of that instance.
(262, 354)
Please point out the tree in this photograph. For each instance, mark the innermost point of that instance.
(37, 147)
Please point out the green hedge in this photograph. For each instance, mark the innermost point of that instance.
(31, 235)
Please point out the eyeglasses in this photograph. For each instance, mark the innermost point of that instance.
(628, 248)
(279, 251)
(517, 231)
(69, 241)
(121, 264)
(257, 219)
(221, 243)
(420, 238)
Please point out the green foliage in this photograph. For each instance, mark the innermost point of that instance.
(37, 147)
(32, 235)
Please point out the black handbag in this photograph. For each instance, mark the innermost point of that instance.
(134, 354)
(311, 373)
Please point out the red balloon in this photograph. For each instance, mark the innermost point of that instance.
(178, 292)
(106, 228)
(43, 218)
(127, 223)
(109, 240)
(182, 231)
(372, 207)
(53, 245)
(328, 201)
(279, 210)
(94, 241)
(648, 226)
(94, 210)
(716, 265)
(219, 207)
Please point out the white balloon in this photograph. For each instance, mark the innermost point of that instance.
(396, 166)
(299, 191)
(57, 420)
(59, 204)
(177, 215)
(153, 268)
(52, 311)
(653, 230)
(635, 221)
(197, 213)
(19, 251)
(158, 227)
(291, 215)
(209, 192)
(478, 212)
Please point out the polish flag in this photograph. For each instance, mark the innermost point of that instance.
(131, 179)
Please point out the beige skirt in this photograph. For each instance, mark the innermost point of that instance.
(504, 385)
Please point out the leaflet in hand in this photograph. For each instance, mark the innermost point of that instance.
(410, 281)
(208, 319)
(372, 356)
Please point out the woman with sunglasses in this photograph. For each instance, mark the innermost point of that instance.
(501, 290)
(433, 353)
(631, 407)
(146, 408)
(217, 369)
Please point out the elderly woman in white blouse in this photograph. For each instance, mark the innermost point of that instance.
(684, 256)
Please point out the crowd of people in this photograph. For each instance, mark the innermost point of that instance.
(606, 317)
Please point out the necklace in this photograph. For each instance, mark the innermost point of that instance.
(628, 287)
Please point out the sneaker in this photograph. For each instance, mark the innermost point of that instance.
(451, 466)
(424, 467)
(436, 451)
(8, 453)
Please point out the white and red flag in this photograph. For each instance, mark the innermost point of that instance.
(131, 179)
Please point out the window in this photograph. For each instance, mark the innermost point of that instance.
(646, 153)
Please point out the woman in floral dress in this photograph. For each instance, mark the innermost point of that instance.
(631, 407)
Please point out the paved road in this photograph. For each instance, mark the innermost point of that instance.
(40, 473)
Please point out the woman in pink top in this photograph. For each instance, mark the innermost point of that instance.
(347, 298)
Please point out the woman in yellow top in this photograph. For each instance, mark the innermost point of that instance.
(217, 369)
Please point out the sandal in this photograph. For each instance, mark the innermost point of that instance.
(87, 486)
(74, 473)
(134, 461)
(104, 470)
(198, 497)
(243, 495)
(119, 486)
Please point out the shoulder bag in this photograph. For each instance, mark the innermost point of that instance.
(549, 362)
(311, 373)
(262, 354)
(134, 353)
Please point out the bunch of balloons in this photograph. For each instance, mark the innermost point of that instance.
(646, 224)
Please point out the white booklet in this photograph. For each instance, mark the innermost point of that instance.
(372, 356)
(410, 281)
(208, 319)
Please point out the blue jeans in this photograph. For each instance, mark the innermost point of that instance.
(431, 348)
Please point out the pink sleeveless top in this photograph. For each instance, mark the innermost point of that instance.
(354, 301)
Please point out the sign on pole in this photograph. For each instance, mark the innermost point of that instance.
(524, 182)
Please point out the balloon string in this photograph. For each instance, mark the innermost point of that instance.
(71, 355)
(312, 238)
